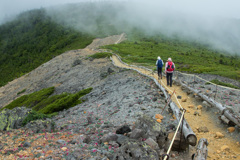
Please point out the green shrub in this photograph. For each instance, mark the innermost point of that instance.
(101, 55)
(65, 102)
(37, 97)
(32, 99)
(49, 101)
(42, 102)
(34, 115)
(21, 91)
(19, 102)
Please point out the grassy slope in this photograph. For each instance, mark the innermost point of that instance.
(188, 56)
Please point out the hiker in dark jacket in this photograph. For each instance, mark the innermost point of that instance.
(159, 65)
(169, 68)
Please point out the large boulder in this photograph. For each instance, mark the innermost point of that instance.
(4, 119)
(152, 129)
(134, 149)
(12, 119)
(41, 126)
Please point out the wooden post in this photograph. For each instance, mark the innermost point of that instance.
(202, 151)
(187, 131)
(215, 93)
(194, 81)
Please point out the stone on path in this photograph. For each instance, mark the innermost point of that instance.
(190, 106)
(202, 129)
(184, 100)
(158, 116)
(225, 148)
(199, 107)
(231, 129)
(219, 135)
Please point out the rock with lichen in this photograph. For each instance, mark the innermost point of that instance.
(12, 119)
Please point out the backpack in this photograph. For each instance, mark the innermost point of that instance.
(170, 66)
(159, 63)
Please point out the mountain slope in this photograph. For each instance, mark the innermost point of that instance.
(32, 39)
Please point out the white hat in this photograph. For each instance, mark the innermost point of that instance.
(159, 57)
(169, 59)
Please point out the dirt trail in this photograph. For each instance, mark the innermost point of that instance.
(222, 148)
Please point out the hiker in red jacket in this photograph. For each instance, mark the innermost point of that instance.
(169, 68)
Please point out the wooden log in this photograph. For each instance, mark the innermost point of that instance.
(188, 133)
(227, 113)
(202, 151)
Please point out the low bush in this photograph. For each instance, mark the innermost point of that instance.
(24, 90)
(101, 55)
(65, 102)
(32, 99)
(42, 101)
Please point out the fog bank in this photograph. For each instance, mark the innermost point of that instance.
(212, 22)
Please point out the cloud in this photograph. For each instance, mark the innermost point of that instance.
(215, 22)
(10, 8)
(212, 22)
(223, 8)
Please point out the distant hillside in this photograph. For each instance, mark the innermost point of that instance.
(36, 36)
(188, 56)
(32, 39)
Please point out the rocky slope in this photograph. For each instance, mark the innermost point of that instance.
(117, 120)
(121, 108)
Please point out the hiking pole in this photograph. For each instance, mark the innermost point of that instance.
(168, 101)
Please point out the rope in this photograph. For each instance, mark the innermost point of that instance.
(175, 134)
(168, 101)
(172, 92)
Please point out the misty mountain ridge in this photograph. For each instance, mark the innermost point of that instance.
(217, 32)
(38, 35)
